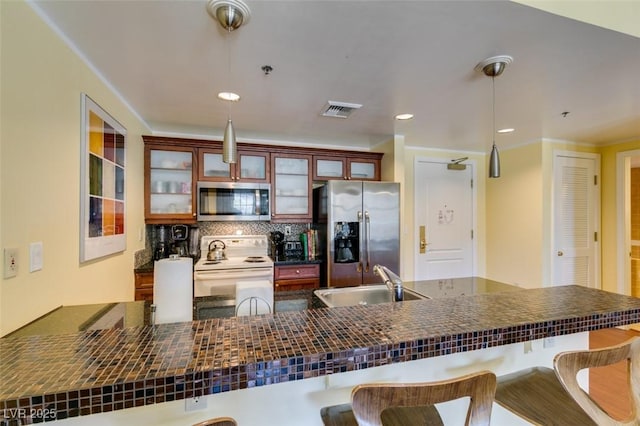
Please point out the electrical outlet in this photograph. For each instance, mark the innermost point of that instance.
(287, 230)
(548, 342)
(195, 403)
(10, 262)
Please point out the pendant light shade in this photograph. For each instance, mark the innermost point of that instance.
(494, 162)
(229, 146)
(493, 67)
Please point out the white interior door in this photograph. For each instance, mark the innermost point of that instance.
(443, 221)
(576, 212)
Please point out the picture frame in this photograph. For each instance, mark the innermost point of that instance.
(102, 183)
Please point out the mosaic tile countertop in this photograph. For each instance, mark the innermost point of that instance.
(105, 370)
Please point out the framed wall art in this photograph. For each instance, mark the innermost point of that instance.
(102, 183)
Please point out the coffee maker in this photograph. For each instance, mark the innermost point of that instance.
(180, 236)
(277, 246)
(162, 248)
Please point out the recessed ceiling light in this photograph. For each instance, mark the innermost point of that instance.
(404, 116)
(508, 130)
(229, 96)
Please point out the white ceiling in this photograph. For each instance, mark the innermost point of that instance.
(169, 59)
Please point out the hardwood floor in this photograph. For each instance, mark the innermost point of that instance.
(608, 385)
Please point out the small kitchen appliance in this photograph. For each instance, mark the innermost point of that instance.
(180, 236)
(277, 245)
(246, 259)
(162, 248)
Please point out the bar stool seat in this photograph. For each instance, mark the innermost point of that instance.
(406, 404)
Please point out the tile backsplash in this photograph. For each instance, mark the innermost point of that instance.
(145, 256)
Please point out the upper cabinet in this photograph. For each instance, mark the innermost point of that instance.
(291, 188)
(252, 166)
(173, 166)
(169, 181)
(346, 166)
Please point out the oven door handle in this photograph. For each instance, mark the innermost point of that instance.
(241, 274)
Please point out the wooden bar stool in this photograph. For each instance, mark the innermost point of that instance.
(406, 404)
(553, 397)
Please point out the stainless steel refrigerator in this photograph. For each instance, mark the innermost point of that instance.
(359, 224)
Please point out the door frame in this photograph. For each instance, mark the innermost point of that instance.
(623, 219)
(474, 205)
(598, 207)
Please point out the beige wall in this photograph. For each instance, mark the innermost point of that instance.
(514, 218)
(42, 80)
(610, 252)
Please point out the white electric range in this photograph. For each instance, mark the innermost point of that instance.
(245, 259)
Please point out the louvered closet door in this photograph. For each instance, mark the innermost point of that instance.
(575, 213)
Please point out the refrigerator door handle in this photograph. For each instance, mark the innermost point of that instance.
(367, 234)
(360, 257)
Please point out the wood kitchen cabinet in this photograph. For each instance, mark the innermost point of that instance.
(169, 183)
(296, 277)
(291, 186)
(143, 286)
(346, 167)
(252, 166)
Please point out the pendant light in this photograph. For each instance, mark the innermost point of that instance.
(231, 15)
(493, 67)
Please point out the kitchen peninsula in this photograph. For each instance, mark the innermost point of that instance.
(309, 358)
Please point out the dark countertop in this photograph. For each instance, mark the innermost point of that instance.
(78, 318)
(148, 267)
(297, 262)
(102, 370)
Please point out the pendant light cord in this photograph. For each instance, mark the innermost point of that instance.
(229, 70)
(493, 87)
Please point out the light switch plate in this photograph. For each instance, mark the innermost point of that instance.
(35, 256)
(10, 262)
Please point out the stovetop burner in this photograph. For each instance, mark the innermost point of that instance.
(241, 252)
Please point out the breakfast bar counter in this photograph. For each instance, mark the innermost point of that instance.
(100, 371)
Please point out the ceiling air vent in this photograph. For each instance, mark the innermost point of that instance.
(339, 109)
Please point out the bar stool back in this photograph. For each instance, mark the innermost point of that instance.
(409, 404)
(218, 421)
(545, 396)
(568, 364)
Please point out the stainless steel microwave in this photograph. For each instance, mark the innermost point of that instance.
(231, 201)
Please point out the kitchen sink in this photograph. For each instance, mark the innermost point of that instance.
(361, 295)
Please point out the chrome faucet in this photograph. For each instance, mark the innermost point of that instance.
(391, 280)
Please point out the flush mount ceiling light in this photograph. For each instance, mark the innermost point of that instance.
(493, 67)
(231, 15)
(229, 96)
(404, 116)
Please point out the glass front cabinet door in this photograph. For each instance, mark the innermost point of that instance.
(345, 168)
(169, 182)
(251, 166)
(291, 185)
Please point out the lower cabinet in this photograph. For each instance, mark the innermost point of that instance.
(296, 277)
(144, 286)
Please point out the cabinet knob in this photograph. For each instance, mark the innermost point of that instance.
(297, 271)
